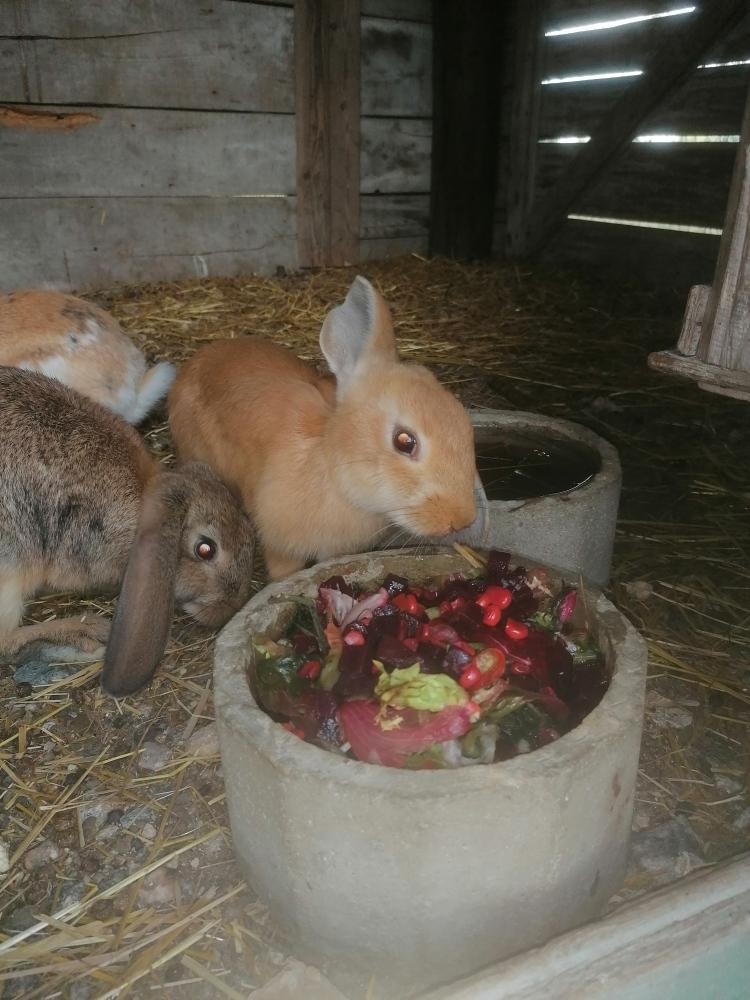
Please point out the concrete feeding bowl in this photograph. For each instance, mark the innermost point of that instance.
(422, 876)
(573, 531)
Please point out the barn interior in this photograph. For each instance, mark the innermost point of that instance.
(536, 188)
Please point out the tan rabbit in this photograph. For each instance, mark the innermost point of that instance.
(83, 347)
(324, 468)
(84, 507)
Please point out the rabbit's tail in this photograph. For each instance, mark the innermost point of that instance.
(154, 386)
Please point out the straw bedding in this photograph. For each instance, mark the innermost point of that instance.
(121, 877)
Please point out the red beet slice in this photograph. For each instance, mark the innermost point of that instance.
(418, 731)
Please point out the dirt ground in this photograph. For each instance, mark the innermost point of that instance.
(120, 876)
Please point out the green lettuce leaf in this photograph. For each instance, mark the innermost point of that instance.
(408, 688)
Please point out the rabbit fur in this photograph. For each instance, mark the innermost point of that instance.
(82, 346)
(314, 459)
(84, 507)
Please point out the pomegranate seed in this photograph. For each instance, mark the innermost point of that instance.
(424, 633)
(471, 677)
(500, 596)
(354, 638)
(411, 643)
(310, 669)
(492, 615)
(407, 603)
(516, 630)
(491, 660)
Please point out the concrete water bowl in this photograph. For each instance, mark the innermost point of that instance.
(573, 531)
(423, 876)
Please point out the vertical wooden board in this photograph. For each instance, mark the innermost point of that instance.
(524, 105)
(343, 73)
(725, 341)
(327, 127)
(147, 152)
(716, 326)
(85, 243)
(396, 68)
(239, 59)
(466, 95)
(313, 139)
(395, 155)
(692, 322)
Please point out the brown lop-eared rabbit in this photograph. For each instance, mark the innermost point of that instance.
(83, 347)
(84, 507)
(324, 467)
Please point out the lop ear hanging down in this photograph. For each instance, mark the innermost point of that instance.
(357, 334)
(143, 617)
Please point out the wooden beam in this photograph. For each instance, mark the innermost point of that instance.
(466, 111)
(327, 104)
(668, 67)
(523, 121)
(692, 323)
(727, 308)
(711, 377)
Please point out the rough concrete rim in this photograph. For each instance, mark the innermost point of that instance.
(609, 473)
(620, 707)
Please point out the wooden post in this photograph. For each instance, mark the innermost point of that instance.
(665, 70)
(466, 102)
(523, 120)
(731, 267)
(714, 345)
(327, 80)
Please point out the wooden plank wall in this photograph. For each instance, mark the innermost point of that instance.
(182, 161)
(674, 183)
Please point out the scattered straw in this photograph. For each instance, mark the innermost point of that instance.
(153, 901)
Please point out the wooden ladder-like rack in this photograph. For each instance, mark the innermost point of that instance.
(714, 344)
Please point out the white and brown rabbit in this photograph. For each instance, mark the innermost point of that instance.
(83, 347)
(324, 468)
(84, 507)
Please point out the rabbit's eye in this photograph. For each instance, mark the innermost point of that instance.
(405, 442)
(205, 549)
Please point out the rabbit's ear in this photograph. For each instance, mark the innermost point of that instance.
(143, 617)
(357, 333)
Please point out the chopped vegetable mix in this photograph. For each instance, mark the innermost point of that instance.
(462, 670)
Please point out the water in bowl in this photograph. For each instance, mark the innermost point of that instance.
(519, 466)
